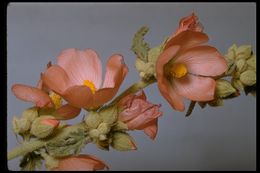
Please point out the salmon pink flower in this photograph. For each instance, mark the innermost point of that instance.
(80, 163)
(77, 78)
(185, 69)
(139, 114)
(189, 23)
(41, 99)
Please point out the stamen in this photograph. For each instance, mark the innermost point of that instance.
(178, 70)
(56, 99)
(90, 85)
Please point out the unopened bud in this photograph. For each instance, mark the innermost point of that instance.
(243, 52)
(103, 128)
(216, 102)
(236, 83)
(223, 88)
(252, 62)
(21, 125)
(30, 114)
(109, 115)
(248, 77)
(120, 126)
(241, 65)
(44, 126)
(93, 120)
(94, 133)
(123, 142)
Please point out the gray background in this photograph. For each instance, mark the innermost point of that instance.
(221, 138)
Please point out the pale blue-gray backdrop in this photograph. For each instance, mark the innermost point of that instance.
(221, 138)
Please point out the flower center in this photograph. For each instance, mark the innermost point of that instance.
(90, 85)
(56, 99)
(178, 70)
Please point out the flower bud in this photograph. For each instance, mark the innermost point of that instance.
(241, 65)
(44, 126)
(216, 102)
(109, 115)
(223, 88)
(243, 52)
(123, 142)
(93, 120)
(103, 128)
(94, 133)
(20, 125)
(236, 83)
(252, 62)
(248, 77)
(120, 126)
(30, 114)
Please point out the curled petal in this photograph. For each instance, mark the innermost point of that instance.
(203, 60)
(195, 88)
(32, 94)
(66, 112)
(173, 98)
(81, 163)
(187, 39)
(81, 65)
(151, 129)
(79, 96)
(56, 79)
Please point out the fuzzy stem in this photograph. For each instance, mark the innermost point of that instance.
(133, 89)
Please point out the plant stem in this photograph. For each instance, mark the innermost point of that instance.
(133, 89)
(26, 147)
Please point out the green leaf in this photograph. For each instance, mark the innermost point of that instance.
(139, 46)
(30, 162)
(71, 144)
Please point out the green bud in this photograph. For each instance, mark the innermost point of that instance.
(20, 125)
(241, 65)
(248, 77)
(243, 52)
(120, 126)
(236, 83)
(103, 128)
(154, 53)
(94, 133)
(30, 114)
(122, 142)
(93, 120)
(102, 137)
(216, 102)
(232, 48)
(44, 126)
(109, 115)
(146, 70)
(15, 124)
(224, 88)
(252, 62)
(231, 66)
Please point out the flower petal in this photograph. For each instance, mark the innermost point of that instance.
(152, 129)
(187, 39)
(195, 88)
(116, 71)
(32, 94)
(79, 96)
(203, 60)
(80, 163)
(173, 98)
(81, 65)
(56, 79)
(66, 112)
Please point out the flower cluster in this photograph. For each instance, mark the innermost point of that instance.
(183, 67)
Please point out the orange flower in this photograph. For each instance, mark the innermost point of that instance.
(77, 78)
(80, 163)
(140, 114)
(185, 69)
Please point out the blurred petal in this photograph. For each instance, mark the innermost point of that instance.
(203, 60)
(152, 129)
(173, 98)
(56, 79)
(187, 39)
(81, 163)
(195, 88)
(81, 65)
(66, 112)
(32, 94)
(79, 96)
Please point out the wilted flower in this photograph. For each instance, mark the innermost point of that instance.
(80, 163)
(189, 23)
(139, 114)
(185, 67)
(77, 78)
